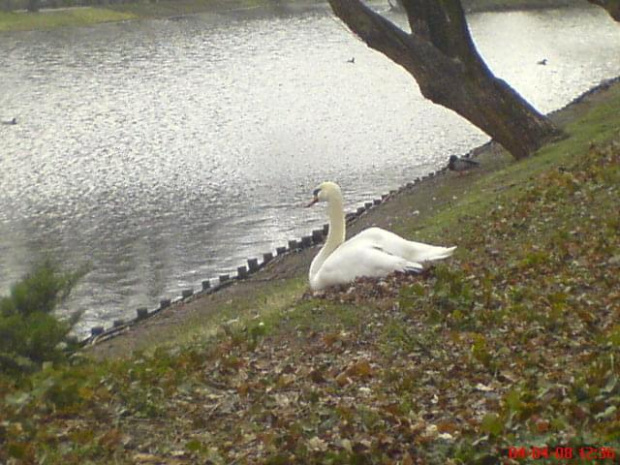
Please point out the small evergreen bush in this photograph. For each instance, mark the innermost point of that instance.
(30, 333)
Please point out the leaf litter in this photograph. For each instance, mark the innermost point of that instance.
(514, 342)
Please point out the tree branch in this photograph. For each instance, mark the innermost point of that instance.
(441, 56)
(412, 51)
(443, 23)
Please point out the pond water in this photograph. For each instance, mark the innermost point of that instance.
(168, 152)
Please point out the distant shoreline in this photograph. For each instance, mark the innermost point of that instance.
(61, 16)
(480, 6)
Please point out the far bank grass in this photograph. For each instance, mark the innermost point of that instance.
(74, 17)
(86, 16)
(172, 8)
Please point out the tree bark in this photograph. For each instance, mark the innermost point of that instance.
(440, 54)
(612, 7)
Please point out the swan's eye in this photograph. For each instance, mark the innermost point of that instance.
(316, 192)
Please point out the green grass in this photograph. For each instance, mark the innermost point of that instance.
(239, 312)
(599, 124)
(514, 341)
(85, 16)
(183, 7)
(22, 21)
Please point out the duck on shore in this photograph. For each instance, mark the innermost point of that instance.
(461, 164)
(10, 122)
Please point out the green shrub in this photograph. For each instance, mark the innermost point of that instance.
(30, 333)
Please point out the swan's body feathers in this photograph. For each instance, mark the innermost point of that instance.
(357, 258)
(396, 245)
(373, 253)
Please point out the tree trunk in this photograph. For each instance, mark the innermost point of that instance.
(440, 54)
(612, 7)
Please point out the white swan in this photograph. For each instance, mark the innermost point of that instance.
(373, 252)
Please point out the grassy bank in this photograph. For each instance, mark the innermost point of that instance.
(85, 16)
(88, 15)
(22, 21)
(514, 342)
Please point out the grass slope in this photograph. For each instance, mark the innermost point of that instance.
(513, 343)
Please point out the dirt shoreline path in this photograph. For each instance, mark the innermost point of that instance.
(415, 203)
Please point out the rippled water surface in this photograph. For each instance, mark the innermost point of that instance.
(168, 152)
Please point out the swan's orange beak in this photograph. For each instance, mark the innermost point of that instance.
(313, 201)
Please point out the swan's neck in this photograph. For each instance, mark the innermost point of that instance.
(335, 235)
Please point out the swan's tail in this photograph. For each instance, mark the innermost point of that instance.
(440, 253)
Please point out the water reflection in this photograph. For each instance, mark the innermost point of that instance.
(166, 152)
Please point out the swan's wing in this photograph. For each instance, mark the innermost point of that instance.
(395, 245)
(358, 258)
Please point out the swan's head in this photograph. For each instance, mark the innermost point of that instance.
(325, 192)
